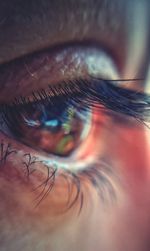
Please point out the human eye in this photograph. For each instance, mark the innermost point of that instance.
(56, 132)
(56, 121)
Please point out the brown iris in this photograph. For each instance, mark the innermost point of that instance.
(54, 129)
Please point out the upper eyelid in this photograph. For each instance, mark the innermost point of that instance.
(59, 46)
(37, 71)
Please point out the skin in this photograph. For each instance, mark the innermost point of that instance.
(114, 217)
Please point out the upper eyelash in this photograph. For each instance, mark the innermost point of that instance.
(90, 92)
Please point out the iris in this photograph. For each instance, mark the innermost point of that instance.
(55, 129)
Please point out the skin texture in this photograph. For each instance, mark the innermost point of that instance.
(114, 215)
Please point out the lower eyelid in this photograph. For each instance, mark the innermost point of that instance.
(32, 185)
(70, 193)
(55, 193)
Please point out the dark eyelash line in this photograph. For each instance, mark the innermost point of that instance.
(91, 92)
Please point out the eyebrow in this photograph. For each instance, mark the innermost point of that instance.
(28, 26)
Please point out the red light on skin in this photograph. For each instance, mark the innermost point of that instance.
(127, 148)
(93, 146)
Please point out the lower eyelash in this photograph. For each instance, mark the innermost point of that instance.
(5, 151)
(98, 174)
(97, 177)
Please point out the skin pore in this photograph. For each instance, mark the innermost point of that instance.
(114, 217)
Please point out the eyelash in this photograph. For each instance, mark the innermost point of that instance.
(91, 93)
(98, 177)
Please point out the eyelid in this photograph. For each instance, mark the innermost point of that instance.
(50, 67)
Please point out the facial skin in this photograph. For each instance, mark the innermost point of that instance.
(117, 219)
